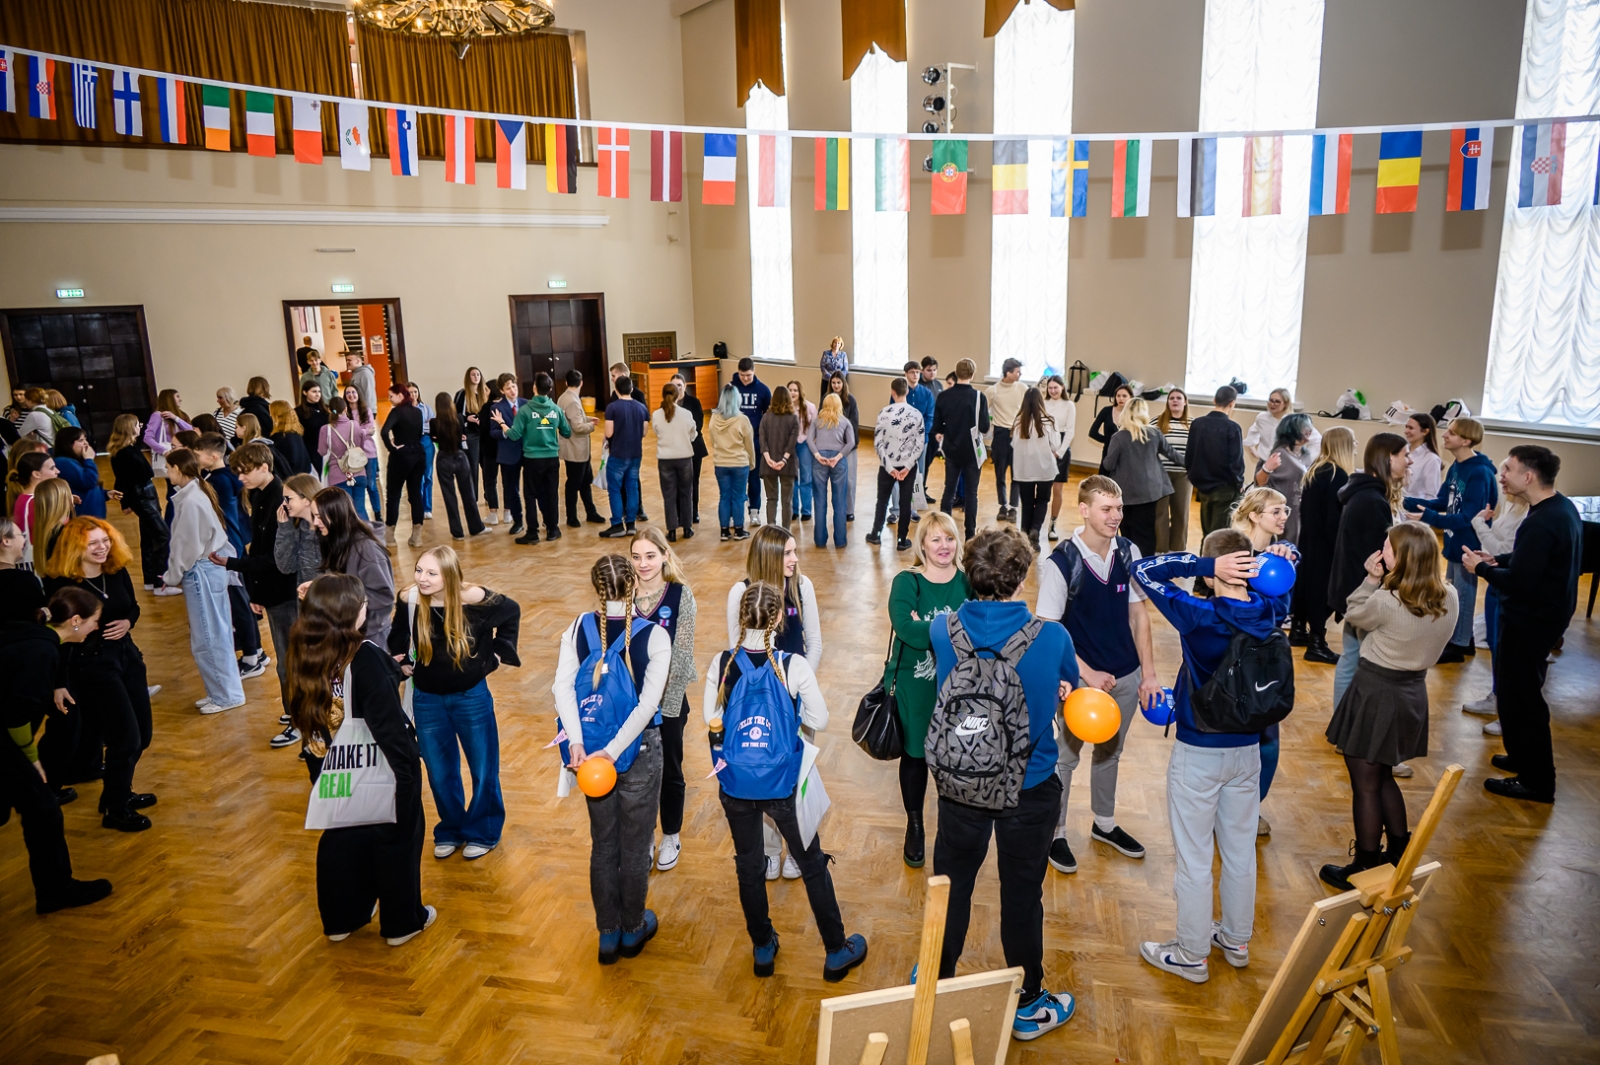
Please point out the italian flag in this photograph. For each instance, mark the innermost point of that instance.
(218, 122)
(308, 130)
(260, 125)
(1130, 178)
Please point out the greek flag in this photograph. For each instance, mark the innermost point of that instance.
(84, 77)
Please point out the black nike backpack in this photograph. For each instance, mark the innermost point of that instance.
(1252, 688)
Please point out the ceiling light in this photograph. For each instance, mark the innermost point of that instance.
(457, 19)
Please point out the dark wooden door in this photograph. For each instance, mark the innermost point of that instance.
(555, 334)
(97, 357)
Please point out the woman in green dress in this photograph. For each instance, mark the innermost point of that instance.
(934, 585)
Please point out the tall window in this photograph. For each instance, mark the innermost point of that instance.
(878, 237)
(1544, 344)
(771, 239)
(1028, 277)
(1260, 68)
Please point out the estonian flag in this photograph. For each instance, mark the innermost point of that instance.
(1197, 177)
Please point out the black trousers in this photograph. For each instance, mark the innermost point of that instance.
(752, 490)
(965, 471)
(673, 787)
(541, 483)
(488, 469)
(474, 445)
(406, 468)
(357, 867)
(154, 537)
(744, 824)
(677, 491)
(510, 476)
(1022, 838)
(1035, 505)
(580, 485)
(902, 497)
(1000, 453)
(246, 629)
(1139, 525)
(698, 461)
(110, 690)
(453, 473)
(1519, 672)
(22, 790)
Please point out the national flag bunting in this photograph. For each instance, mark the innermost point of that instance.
(169, 104)
(1399, 170)
(306, 121)
(1061, 176)
(893, 187)
(1543, 160)
(1197, 177)
(127, 110)
(1130, 178)
(1263, 177)
(1471, 154)
(8, 85)
(218, 120)
(774, 169)
(560, 158)
(400, 123)
(1010, 177)
(460, 151)
(721, 171)
(511, 155)
(1080, 179)
(1330, 172)
(833, 174)
(613, 145)
(949, 177)
(355, 150)
(666, 166)
(260, 124)
(41, 87)
(84, 79)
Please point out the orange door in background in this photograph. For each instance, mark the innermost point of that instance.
(375, 339)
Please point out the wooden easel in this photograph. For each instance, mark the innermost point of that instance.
(1353, 983)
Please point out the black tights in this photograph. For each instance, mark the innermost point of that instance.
(1376, 803)
(913, 781)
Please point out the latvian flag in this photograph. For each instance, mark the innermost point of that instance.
(613, 162)
(401, 124)
(260, 124)
(460, 151)
(1197, 177)
(1544, 153)
(8, 88)
(84, 79)
(511, 155)
(721, 169)
(1263, 177)
(666, 166)
(1330, 172)
(1130, 178)
(127, 110)
(308, 130)
(1471, 153)
(772, 170)
(41, 87)
(560, 158)
(169, 102)
(218, 121)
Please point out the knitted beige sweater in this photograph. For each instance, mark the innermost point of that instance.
(1392, 636)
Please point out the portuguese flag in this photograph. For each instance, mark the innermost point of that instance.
(833, 174)
(949, 177)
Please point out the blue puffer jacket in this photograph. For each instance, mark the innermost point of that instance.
(1467, 489)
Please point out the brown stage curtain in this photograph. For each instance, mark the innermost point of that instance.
(270, 45)
(995, 12)
(758, 46)
(869, 22)
(530, 74)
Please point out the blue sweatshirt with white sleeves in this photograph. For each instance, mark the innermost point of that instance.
(1468, 488)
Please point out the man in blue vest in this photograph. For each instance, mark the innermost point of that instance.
(1087, 585)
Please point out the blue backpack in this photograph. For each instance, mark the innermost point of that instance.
(761, 743)
(604, 707)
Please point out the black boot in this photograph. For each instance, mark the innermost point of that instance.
(1319, 651)
(915, 842)
(70, 894)
(1338, 876)
(1299, 633)
(124, 818)
(1396, 849)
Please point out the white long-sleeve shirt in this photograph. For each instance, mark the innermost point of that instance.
(1426, 475)
(810, 620)
(1500, 536)
(655, 682)
(1260, 439)
(798, 675)
(196, 533)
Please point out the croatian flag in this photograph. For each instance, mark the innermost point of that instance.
(511, 155)
(1544, 153)
(169, 102)
(1471, 152)
(460, 151)
(1330, 172)
(721, 169)
(8, 89)
(127, 107)
(402, 126)
(41, 87)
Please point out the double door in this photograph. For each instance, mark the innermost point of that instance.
(555, 334)
(97, 357)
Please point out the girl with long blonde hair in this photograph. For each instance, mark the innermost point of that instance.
(662, 597)
(198, 533)
(1133, 460)
(833, 445)
(52, 509)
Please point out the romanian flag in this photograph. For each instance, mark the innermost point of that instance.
(1130, 178)
(1399, 171)
(560, 158)
(218, 122)
(511, 155)
(260, 124)
(1471, 152)
(833, 174)
(613, 162)
(950, 177)
(1010, 178)
(1263, 177)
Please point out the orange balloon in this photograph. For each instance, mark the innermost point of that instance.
(596, 777)
(1092, 715)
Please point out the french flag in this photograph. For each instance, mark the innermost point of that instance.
(402, 126)
(460, 151)
(41, 87)
(1471, 153)
(169, 102)
(1330, 172)
(1544, 155)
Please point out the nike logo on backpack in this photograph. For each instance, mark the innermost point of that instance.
(1264, 687)
(971, 726)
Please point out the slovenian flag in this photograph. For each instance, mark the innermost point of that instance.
(1330, 172)
(1399, 171)
(8, 86)
(833, 174)
(773, 170)
(84, 79)
(1471, 154)
(1263, 177)
(666, 166)
(460, 151)
(511, 155)
(721, 168)
(260, 124)
(169, 103)
(218, 121)
(894, 174)
(307, 114)
(949, 177)
(1130, 178)
(1009, 179)
(41, 87)
(355, 151)
(1544, 154)
(401, 124)
(127, 110)
(613, 145)
(560, 159)
(1197, 177)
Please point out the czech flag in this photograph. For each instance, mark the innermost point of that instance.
(1471, 153)
(1399, 171)
(41, 87)
(511, 155)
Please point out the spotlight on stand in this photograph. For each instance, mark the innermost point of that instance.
(933, 104)
(930, 127)
(927, 160)
(932, 75)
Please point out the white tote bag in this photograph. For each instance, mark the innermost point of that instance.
(356, 786)
(980, 446)
(810, 798)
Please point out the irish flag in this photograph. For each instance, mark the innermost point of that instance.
(218, 122)
(1130, 178)
(260, 124)
(308, 130)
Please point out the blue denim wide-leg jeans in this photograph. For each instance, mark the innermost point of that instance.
(205, 595)
(731, 485)
(803, 499)
(447, 727)
(829, 481)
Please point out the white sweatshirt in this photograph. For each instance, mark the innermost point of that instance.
(810, 621)
(1500, 536)
(196, 533)
(655, 682)
(798, 675)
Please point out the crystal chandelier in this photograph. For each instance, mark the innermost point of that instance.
(459, 20)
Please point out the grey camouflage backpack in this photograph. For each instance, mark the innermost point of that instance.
(978, 739)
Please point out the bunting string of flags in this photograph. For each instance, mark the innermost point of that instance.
(1538, 164)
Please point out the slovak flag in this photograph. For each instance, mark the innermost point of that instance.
(1544, 156)
(41, 87)
(1471, 153)
(511, 155)
(402, 127)
(460, 151)
(8, 88)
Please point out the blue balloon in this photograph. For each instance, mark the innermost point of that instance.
(1274, 575)
(1160, 711)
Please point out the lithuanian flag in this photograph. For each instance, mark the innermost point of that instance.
(833, 174)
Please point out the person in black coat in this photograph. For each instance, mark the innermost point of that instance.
(258, 401)
(402, 436)
(269, 587)
(313, 415)
(1108, 420)
(1370, 503)
(1319, 531)
(956, 412)
(1214, 460)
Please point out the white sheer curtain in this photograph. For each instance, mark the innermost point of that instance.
(1033, 55)
(771, 239)
(878, 238)
(1260, 66)
(1544, 344)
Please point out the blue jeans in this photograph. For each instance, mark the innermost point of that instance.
(731, 484)
(1491, 620)
(622, 485)
(357, 490)
(850, 489)
(1269, 758)
(1466, 586)
(802, 498)
(427, 474)
(373, 496)
(834, 480)
(467, 719)
(1349, 658)
(205, 595)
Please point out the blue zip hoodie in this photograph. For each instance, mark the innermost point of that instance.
(1047, 662)
(1205, 628)
(1468, 488)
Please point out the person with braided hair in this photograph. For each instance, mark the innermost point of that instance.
(622, 823)
(761, 609)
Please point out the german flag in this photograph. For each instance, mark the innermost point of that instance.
(560, 158)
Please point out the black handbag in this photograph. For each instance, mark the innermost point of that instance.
(877, 727)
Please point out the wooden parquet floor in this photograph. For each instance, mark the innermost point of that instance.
(210, 950)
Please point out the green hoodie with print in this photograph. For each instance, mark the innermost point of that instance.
(539, 425)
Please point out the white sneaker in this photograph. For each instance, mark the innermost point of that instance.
(791, 869)
(288, 736)
(340, 938)
(1238, 957)
(1262, 828)
(443, 850)
(168, 589)
(473, 851)
(1403, 771)
(397, 941)
(152, 690)
(209, 707)
(205, 700)
(1488, 706)
(1169, 957)
(1492, 728)
(671, 848)
(493, 518)
(774, 865)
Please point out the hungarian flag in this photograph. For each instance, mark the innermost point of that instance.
(833, 174)
(721, 169)
(218, 122)
(1130, 178)
(308, 130)
(613, 162)
(1263, 177)
(511, 155)
(460, 151)
(949, 177)
(1010, 177)
(560, 158)
(666, 166)
(772, 170)
(260, 124)
(174, 119)
(401, 124)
